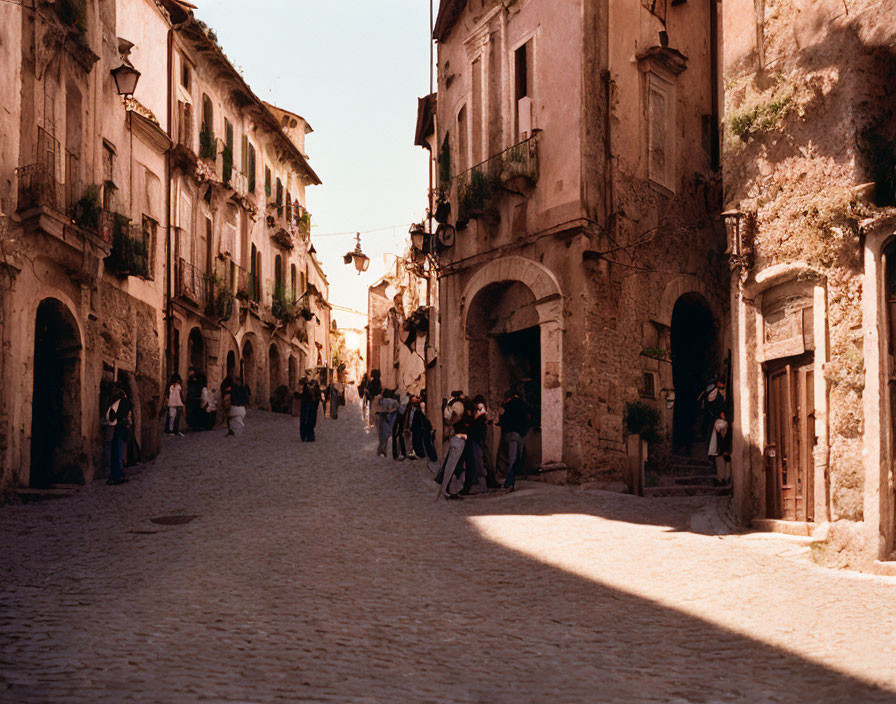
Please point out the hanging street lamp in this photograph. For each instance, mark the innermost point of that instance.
(361, 260)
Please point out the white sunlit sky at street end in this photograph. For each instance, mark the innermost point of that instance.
(354, 69)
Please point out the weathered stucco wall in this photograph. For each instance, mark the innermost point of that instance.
(807, 110)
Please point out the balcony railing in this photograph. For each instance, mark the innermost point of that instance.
(284, 305)
(514, 168)
(192, 284)
(130, 249)
(208, 146)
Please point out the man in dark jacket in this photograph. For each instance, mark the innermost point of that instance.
(120, 417)
(514, 428)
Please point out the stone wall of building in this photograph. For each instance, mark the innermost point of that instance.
(809, 128)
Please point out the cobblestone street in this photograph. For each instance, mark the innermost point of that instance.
(322, 573)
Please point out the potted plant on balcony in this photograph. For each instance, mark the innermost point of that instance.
(87, 211)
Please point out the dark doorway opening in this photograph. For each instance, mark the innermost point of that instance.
(504, 338)
(273, 369)
(231, 363)
(247, 367)
(196, 350)
(56, 450)
(694, 366)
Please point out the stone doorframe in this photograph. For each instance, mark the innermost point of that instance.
(549, 306)
(880, 486)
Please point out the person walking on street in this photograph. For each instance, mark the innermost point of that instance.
(193, 401)
(386, 408)
(120, 417)
(362, 396)
(239, 400)
(474, 450)
(514, 428)
(208, 405)
(421, 433)
(336, 392)
(175, 406)
(224, 396)
(374, 390)
(399, 443)
(311, 397)
(451, 478)
(719, 451)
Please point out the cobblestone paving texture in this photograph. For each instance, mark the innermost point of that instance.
(321, 573)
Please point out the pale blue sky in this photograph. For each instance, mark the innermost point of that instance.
(354, 69)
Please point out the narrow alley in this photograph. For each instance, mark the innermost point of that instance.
(259, 569)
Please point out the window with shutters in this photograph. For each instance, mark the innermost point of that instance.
(250, 168)
(523, 89)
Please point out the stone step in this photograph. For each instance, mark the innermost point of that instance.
(658, 492)
(694, 479)
(27, 496)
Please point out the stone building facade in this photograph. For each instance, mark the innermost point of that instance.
(810, 172)
(248, 294)
(83, 222)
(398, 326)
(576, 145)
(93, 282)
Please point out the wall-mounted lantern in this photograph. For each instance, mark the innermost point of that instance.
(125, 77)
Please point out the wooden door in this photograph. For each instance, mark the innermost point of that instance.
(790, 435)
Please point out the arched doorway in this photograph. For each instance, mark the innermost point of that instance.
(504, 352)
(695, 364)
(514, 320)
(231, 363)
(247, 365)
(273, 368)
(56, 448)
(196, 350)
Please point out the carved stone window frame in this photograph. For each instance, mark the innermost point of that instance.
(660, 68)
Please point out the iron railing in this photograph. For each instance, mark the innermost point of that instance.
(38, 185)
(479, 187)
(192, 283)
(130, 249)
(208, 145)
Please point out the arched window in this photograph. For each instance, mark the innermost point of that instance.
(292, 277)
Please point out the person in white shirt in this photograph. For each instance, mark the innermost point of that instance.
(208, 402)
(175, 406)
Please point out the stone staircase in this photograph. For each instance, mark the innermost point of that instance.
(687, 476)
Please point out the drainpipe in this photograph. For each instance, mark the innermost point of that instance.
(169, 318)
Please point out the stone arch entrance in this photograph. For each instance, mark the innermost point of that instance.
(56, 442)
(196, 350)
(695, 364)
(273, 368)
(247, 367)
(231, 364)
(513, 318)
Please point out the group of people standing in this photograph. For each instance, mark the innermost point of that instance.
(201, 404)
(468, 462)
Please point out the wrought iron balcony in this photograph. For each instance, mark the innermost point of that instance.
(130, 254)
(192, 284)
(515, 170)
(208, 145)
